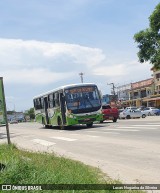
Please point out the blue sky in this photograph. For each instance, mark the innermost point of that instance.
(46, 43)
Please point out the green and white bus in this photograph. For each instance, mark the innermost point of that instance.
(69, 105)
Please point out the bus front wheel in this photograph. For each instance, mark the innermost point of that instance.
(43, 123)
(89, 124)
(60, 124)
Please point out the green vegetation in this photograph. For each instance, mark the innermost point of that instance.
(41, 168)
(30, 113)
(149, 40)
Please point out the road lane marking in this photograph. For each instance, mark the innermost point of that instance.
(64, 138)
(119, 129)
(134, 127)
(103, 132)
(127, 127)
(74, 134)
(110, 132)
(152, 123)
(85, 135)
(92, 136)
(146, 125)
(29, 136)
(43, 142)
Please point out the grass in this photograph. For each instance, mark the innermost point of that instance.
(24, 167)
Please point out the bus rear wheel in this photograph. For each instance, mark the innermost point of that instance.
(89, 125)
(60, 124)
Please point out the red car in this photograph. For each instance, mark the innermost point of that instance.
(109, 113)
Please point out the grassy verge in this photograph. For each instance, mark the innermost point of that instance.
(24, 167)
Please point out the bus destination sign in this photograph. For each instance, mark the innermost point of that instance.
(82, 89)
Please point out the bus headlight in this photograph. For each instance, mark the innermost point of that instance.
(70, 115)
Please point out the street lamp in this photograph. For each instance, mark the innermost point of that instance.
(81, 75)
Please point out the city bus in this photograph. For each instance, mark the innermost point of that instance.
(69, 105)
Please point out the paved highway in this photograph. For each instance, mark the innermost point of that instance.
(128, 150)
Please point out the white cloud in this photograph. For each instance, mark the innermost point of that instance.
(127, 71)
(36, 62)
(116, 70)
(33, 76)
(42, 62)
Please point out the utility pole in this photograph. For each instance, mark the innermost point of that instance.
(114, 92)
(81, 75)
(113, 88)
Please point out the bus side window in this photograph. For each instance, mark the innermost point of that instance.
(35, 106)
(39, 106)
(56, 99)
(53, 102)
(42, 103)
(50, 100)
(36, 103)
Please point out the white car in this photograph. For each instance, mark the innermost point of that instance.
(129, 113)
(150, 111)
(131, 108)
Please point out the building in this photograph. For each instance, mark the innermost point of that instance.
(123, 92)
(141, 91)
(154, 100)
(156, 77)
(137, 94)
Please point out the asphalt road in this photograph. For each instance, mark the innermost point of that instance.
(128, 150)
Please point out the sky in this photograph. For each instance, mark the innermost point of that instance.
(45, 44)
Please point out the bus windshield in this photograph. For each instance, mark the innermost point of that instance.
(82, 99)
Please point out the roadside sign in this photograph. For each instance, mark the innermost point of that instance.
(3, 111)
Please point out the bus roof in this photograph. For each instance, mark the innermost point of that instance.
(64, 87)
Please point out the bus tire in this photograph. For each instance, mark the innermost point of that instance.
(60, 124)
(43, 123)
(115, 120)
(89, 125)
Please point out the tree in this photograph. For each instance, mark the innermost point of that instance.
(31, 113)
(149, 40)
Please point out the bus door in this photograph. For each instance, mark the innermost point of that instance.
(45, 109)
(63, 107)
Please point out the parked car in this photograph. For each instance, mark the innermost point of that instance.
(13, 121)
(131, 108)
(20, 119)
(150, 111)
(109, 113)
(129, 113)
(141, 108)
(120, 110)
(158, 112)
